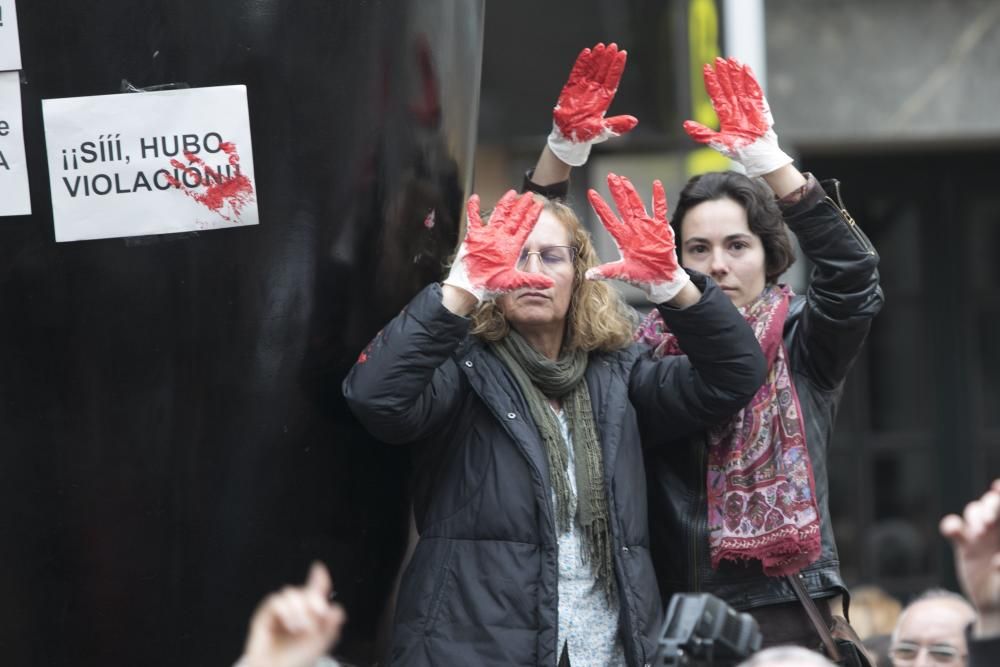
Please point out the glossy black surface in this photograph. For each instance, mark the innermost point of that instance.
(173, 443)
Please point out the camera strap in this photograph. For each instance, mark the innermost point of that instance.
(832, 651)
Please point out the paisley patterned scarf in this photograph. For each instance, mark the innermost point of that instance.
(761, 491)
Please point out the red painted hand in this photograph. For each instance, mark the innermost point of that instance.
(745, 123)
(578, 118)
(646, 244)
(486, 261)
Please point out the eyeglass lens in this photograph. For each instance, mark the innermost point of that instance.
(549, 256)
(941, 653)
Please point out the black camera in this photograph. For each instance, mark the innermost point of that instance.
(701, 629)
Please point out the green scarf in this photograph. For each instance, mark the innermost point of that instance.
(541, 379)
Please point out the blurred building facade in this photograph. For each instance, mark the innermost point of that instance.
(897, 100)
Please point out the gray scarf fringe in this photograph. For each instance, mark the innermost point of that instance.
(541, 379)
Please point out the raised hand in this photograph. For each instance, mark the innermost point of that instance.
(746, 132)
(646, 244)
(295, 626)
(975, 537)
(486, 262)
(578, 120)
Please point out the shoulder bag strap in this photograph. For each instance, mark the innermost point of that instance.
(817, 619)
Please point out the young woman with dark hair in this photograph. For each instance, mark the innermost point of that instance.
(737, 508)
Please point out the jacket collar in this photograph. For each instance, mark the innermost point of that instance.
(490, 379)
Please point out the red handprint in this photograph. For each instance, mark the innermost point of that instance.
(227, 195)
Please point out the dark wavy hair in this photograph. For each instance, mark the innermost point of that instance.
(763, 215)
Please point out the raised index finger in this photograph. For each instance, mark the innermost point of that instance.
(501, 212)
(581, 67)
(525, 216)
(604, 212)
(629, 203)
(723, 73)
(659, 202)
(615, 69)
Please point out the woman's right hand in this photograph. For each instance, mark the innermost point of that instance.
(486, 261)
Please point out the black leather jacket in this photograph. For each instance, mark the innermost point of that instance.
(823, 334)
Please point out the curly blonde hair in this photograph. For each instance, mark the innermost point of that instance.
(598, 318)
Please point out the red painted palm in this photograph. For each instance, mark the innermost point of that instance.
(646, 243)
(578, 118)
(745, 132)
(486, 262)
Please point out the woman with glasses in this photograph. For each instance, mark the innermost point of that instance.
(524, 398)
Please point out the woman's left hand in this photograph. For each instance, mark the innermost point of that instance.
(746, 132)
(646, 244)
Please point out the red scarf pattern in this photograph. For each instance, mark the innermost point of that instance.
(761, 491)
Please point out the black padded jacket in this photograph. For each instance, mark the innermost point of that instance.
(481, 587)
(823, 334)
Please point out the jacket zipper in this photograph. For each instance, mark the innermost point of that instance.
(852, 225)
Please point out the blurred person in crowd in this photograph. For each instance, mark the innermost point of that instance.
(873, 611)
(873, 615)
(975, 538)
(931, 630)
(295, 626)
(786, 656)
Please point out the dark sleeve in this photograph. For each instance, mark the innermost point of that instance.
(557, 191)
(406, 383)
(983, 652)
(722, 369)
(843, 294)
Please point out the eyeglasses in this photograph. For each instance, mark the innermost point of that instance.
(552, 256)
(903, 653)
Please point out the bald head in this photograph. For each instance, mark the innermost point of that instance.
(787, 656)
(935, 619)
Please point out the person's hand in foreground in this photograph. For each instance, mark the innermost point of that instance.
(295, 626)
(975, 537)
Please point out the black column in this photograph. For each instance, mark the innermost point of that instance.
(173, 443)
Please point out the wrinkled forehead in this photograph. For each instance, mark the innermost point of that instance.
(934, 622)
(549, 230)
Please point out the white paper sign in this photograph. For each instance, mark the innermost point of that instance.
(10, 45)
(150, 163)
(14, 196)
